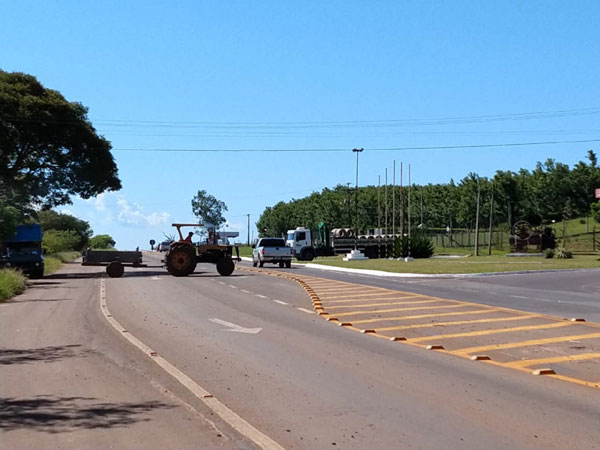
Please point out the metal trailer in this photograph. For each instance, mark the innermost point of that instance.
(115, 261)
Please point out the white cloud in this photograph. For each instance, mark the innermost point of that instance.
(133, 214)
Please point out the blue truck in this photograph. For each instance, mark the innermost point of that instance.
(24, 251)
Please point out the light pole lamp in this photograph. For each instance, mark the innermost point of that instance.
(357, 151)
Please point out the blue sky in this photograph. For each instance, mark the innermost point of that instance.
(306, 75)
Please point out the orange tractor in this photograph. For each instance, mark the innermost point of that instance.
(182, 256)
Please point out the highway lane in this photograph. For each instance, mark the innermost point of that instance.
(309, 384)
(562, 294)
(68, 381)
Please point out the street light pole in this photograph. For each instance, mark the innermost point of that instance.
(357, 151)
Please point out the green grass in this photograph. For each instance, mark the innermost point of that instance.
(470, 264)
(245, 251)
(574, 226)
(53, 262)
(12, 282)
(467, 251)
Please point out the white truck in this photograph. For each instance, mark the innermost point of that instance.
(271, 250)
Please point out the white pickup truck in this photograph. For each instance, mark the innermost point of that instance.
(271, 250)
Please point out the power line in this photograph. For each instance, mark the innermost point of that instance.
(332, 150)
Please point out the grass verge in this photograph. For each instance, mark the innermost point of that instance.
(470, 264)
(12, 282)
(53, 262)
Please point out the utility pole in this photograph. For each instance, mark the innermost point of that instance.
(248, 229)
(357, 151)
(394, 201)
(491, 216)
(409, 189)
(422, 224)
(477, 220)
(386, 204)
(401, 200)
(348, 204)
(379, 205)
(378, 234)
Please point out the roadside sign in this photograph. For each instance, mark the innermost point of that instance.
(152, 242)
(597, 192)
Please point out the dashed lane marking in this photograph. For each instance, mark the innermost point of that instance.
(281, 302)
(308, 311)
(231, 418)
(261, 296)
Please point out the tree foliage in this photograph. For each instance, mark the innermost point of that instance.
(55, 241)
(49, 150)
(53, 221)
(208, 209)
(551, 191)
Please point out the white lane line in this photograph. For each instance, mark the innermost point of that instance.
(518, 296)
(155, 278)
(221, 282)
(281, 302)
(231, 418)
(261, 296)
(305, 310)
(232, 286)
(236, 328)
(245, 291)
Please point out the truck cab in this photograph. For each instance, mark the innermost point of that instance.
(24, 251)
(300, 241)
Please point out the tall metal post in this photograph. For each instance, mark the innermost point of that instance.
(477, 220)
(348, 204)
(248, 230)
(401, 200)
(409, 189)
(357, 151)
(394, 201)
(378, 216)
(491, 221)
(385, 194)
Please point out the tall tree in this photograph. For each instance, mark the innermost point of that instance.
(49, 150)
(208, 209)
(51, 220)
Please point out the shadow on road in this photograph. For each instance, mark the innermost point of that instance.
(50, 414)
(9, 356)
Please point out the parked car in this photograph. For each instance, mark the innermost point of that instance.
(163, 246)
(271, 250)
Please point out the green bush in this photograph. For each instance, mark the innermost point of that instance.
(549, 253)
(563, 253)
(420, 246)
(101, 241)
(55, 241)
(12, 282)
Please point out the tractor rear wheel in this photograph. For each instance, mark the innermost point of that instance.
(225, 266)
(181, 260)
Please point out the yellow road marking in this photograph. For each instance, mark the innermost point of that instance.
(415, 308)
(497, 331)
(382, 304)
(349, 300)
(554, 360)
(424, 316)
(458, 322)
(481, 348)
(364, 294)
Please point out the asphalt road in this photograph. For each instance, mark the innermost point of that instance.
(564, 294)
(255, 343)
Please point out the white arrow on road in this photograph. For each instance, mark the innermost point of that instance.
(236, 328)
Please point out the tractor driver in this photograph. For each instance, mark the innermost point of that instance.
(189, 237)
